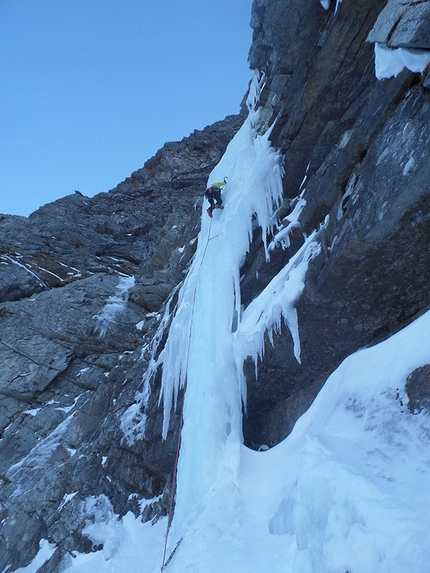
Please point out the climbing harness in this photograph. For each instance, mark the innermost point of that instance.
(175, 468)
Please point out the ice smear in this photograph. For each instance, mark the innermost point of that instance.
(390, 62)
(114, 306)
(40, 454)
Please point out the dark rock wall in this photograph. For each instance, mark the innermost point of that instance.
(363, 146)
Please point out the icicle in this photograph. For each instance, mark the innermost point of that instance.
(278, 298)
(133, 421)
(257, 84)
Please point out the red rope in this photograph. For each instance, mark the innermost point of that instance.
(173, 488)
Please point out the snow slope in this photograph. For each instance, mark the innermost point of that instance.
(348, 490)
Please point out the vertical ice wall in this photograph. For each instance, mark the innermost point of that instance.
(199, 351)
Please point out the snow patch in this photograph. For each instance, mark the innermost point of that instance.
(103, 526)
(390, 62)
(67, 409)
(409, 166)
(67, 497)
(18, 264)
(33, 412)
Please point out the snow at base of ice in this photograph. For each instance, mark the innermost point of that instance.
(133, 547)
(347, 490)
(390, 62)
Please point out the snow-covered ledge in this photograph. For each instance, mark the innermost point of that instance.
(389, 62)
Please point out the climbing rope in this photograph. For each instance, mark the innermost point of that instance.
(175, 467)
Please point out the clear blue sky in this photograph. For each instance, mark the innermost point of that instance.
(91, 89)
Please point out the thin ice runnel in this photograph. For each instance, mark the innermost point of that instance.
(114, 306)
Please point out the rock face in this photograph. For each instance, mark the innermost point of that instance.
(82, 284)
(84, 281)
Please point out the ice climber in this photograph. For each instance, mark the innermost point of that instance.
(213, 195)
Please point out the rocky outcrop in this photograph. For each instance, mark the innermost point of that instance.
(403, 24)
